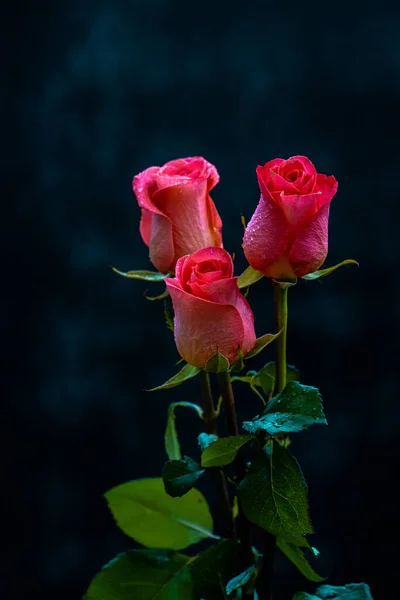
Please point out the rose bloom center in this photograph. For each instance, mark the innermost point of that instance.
(208, 271)
(191, 170)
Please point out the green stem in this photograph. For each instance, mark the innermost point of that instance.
(281, 316)
(210, 425)
(209, 412)
(244, 528)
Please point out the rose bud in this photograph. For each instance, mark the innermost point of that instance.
(287, 237)
(211, 314)
(178, 215)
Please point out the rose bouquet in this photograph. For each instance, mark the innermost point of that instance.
(258, 481)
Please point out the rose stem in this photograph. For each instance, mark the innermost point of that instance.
(210, 426)
(244, 530)
(281, 316)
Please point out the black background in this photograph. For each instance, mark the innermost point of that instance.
(95, 92)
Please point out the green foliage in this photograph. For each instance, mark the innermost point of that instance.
(248, 277)
(295, 408)
(167, 575)
(240, 580)
(351, 591)
(262, 342)
(171, 441)
(223, 451)
(184, 374)
(296, 556)
(265, 378)
(273, 495)
(142, 275)
(145, 512)
(213, 568)
(217, 364)
(144, 575)
(172, 446)
(205, 439)
(179, 476)
(329, 270)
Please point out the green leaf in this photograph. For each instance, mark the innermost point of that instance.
(296, 556)
(329, 270)
(298, 406)
(265, 378)
(262, 342)
(172, 446)
(223, 451)
(217, 364)
(142, 275)
(144, 575)
(184, 374)
(273, 494)
(351, 591)
(144, 511)
(240, 580)
(171, 441)
(213, 568)
(205, 439)
(248, 277)
(179, 476)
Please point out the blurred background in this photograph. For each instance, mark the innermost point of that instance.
(95, 92)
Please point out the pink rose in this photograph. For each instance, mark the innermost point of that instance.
(178, 215)
(210, 312)
(288, 234)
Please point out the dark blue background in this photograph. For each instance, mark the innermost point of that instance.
(95, 92)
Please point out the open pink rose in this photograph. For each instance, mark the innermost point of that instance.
(210, 312)
(178, 215)
(288, 234)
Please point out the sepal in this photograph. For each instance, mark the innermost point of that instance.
(184, 374)
(249, 277)
(142, 275)
(262, 342)
(217, 364)
(329, 270)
